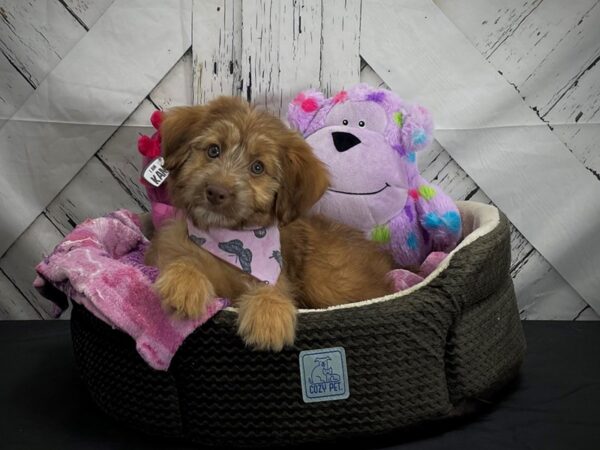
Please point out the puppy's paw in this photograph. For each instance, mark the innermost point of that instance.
(184, 290)
(267, 319)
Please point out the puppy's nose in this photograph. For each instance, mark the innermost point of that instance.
(344, 141)
(217, 194)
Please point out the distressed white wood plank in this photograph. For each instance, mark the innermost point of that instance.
(575, 119)
(175, 88)
(549, 52)
(464, 96)
(299, 49)
(216, 48)
(368, 75)
(93, 192)
(35, 35)
(19, 261)
(120, 152)
(260, 52)
(14, 89)
(542, 294)
(275, 66)
(487, 24)
(551, 49)
(88, 11)
(13, 306)
(340, 56)
(114, 72)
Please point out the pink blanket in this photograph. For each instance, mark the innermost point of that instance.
(100, 266)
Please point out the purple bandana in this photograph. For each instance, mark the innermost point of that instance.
(256, 251)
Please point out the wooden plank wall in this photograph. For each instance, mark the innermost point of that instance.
(245, 49)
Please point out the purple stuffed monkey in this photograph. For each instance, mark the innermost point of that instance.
(368, 138)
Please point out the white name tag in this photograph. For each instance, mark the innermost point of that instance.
(155, 173)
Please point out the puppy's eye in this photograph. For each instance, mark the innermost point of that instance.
(361, 123)
(257, 167)
(345, 122)
(213, 151)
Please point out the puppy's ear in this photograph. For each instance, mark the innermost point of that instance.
(305, 179)
(178, 126)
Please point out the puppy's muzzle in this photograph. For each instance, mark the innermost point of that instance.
(217, 195)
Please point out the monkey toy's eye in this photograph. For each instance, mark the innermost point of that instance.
(345, 122)
(213, 151)
(361, 123)
(257, 167)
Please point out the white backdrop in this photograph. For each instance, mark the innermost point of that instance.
(513, 86)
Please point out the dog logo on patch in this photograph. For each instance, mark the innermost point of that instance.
(323, 374)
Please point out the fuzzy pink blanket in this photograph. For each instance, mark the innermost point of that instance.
(100, 266)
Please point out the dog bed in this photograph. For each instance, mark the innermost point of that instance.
(385, 364)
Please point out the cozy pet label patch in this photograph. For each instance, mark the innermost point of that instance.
(155, 173)
(324, 375)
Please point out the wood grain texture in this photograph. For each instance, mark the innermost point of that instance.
(14, 89)
(340, 55)
(549, 52)
(299, 49)
(91, 193)
(120, 154)
(14, 306)
(260, 52)
(35, 35)
(87, 11)
(217, 48)
(117, 84)
(110, 180)
(175, 89)
(19, 261)
(280, 50)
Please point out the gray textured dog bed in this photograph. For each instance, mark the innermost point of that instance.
(408, 358)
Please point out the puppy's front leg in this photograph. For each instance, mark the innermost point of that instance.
(267, 317)
(184, 288)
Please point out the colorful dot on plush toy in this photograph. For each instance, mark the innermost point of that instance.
(298, 99)
(427, 192)
(432, 220)
(309, 105)
(398, 118)
(411, 157)
(411, 241)
(452, 221)
(419, 137)
(414, 194)
(340, 97)
(377, 96)
(381, 234)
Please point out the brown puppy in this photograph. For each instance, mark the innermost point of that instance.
(232, 166)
